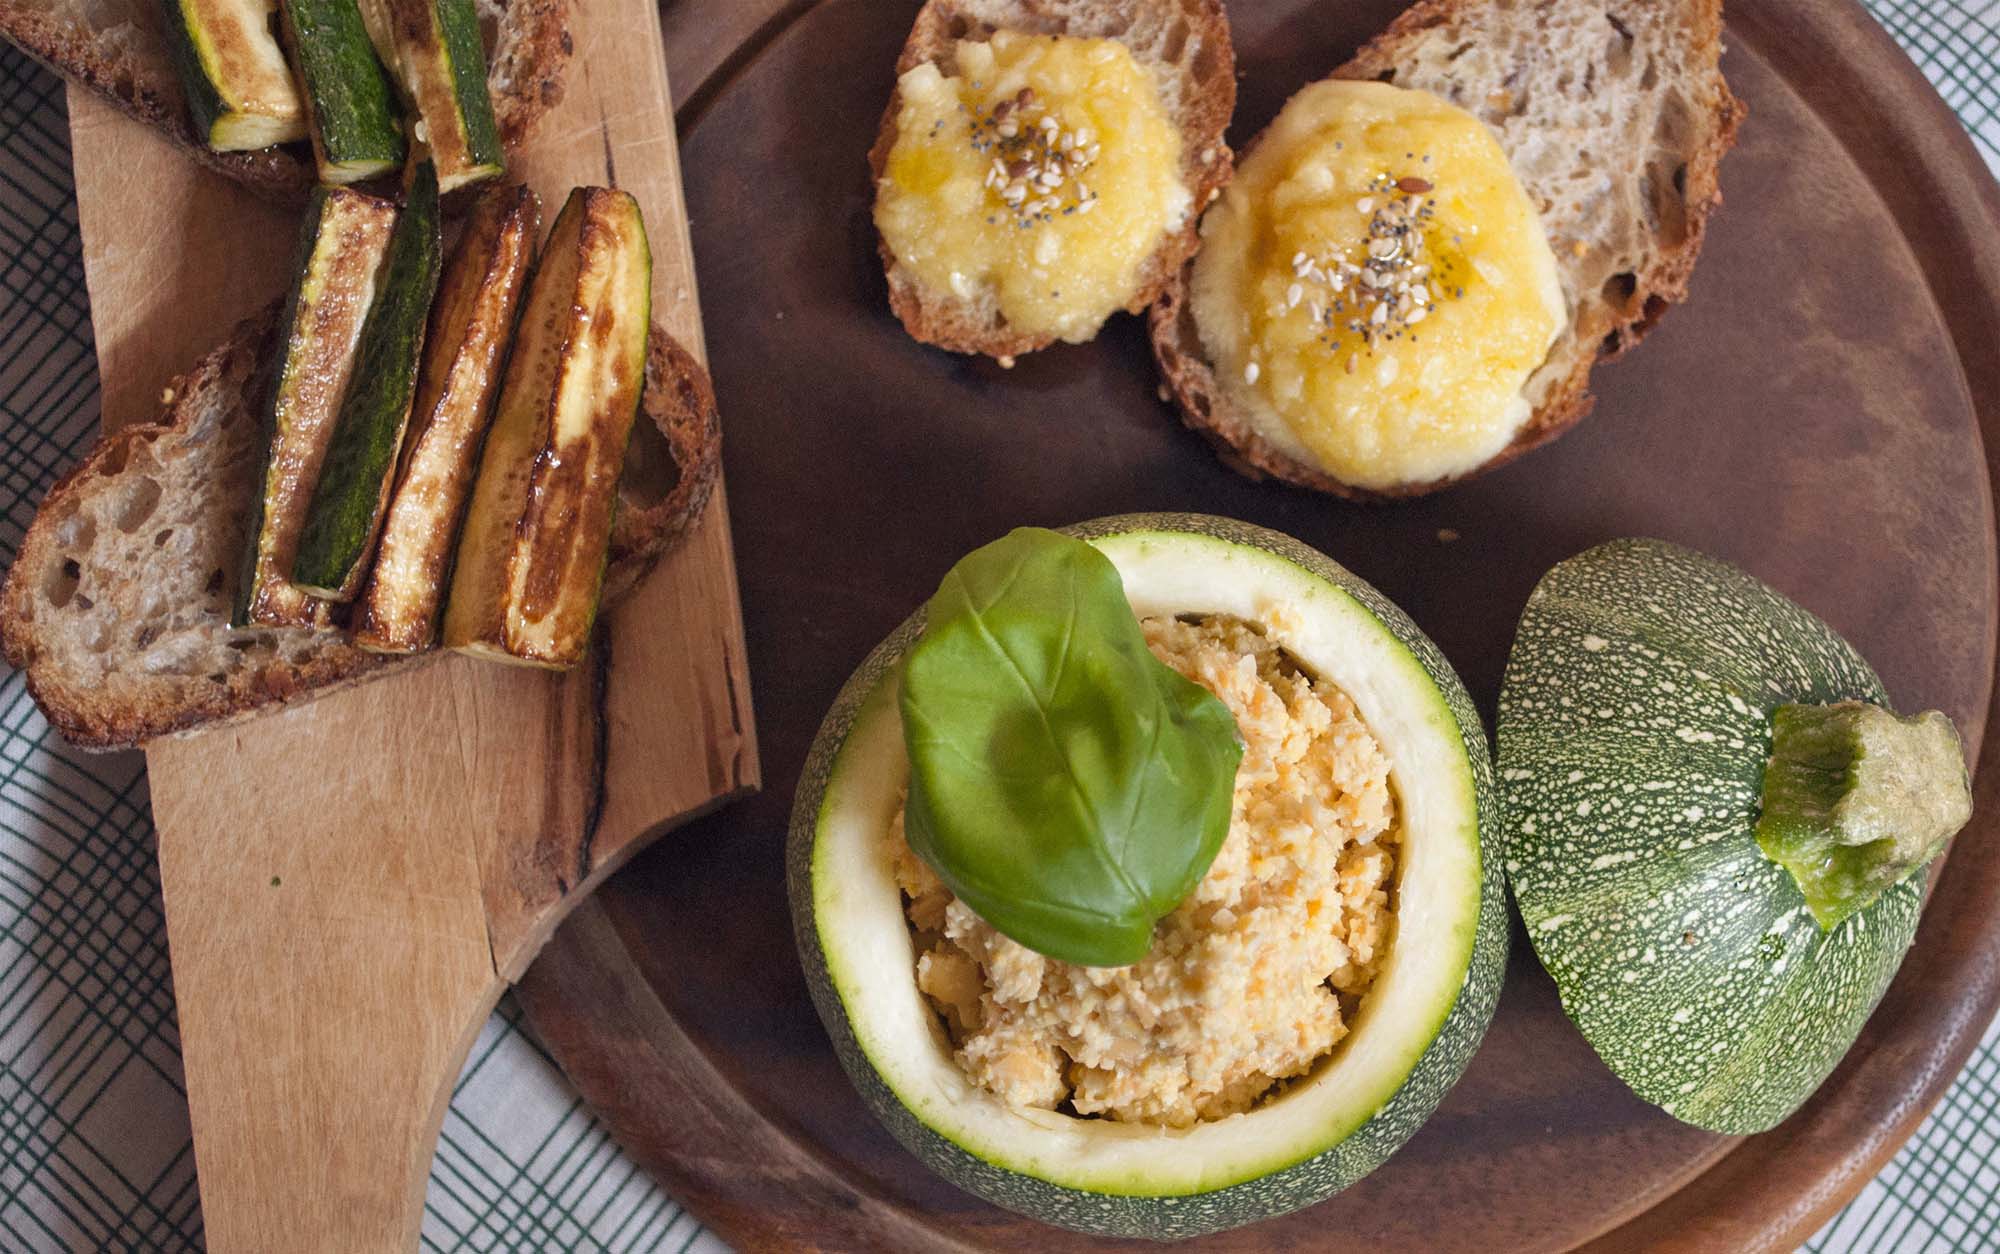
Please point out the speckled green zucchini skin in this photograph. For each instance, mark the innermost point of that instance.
(1634, 727)
(351, 107)
(1316, 1175)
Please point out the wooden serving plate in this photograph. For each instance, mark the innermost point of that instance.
(1815, 414)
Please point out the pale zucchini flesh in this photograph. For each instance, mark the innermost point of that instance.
(531, 558)
(353, 488)
(464, 353)
(351, 109)
(343, 244)
(239, 90)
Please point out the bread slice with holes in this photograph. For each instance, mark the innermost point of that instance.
(1614, 117)
(117, 606)
(1185, 46)
(119, 49)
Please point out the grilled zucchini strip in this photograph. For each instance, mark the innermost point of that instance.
(531, 558)
(353, 487)
(355, 121)
(342, 246)
(442, 65)
(463, 355)
(239, 90)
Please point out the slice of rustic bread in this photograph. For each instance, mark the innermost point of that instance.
(1614, 116)
(118, 49)
(1185, 43)
(117, 605)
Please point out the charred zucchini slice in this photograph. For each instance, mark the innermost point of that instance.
(531, 558)
(443, 73)
(463, 353)
(356, 125)
(353, 487)
(342, 246)
(239, 90)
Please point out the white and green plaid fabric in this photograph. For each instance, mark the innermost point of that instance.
(94, 1144)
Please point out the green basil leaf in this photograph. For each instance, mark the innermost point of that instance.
(1066, 784)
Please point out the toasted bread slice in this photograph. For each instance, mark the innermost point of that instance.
(118, 49)
(1185, 43)
(1615, 118)
(117, 605)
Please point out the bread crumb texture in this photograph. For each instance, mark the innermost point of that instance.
(1033, 180)
(1251, 979)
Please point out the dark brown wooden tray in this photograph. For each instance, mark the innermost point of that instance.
(1814, 413)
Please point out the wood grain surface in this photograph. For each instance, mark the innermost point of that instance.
(350, 884)
(1815, 413)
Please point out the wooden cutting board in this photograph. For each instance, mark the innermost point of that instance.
(350, 884)
(1815, 414)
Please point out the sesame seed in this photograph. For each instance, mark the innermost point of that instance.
(1384, 276)
(1250, 372)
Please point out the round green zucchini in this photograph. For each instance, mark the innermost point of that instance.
(1416, 1028)
(1635, 728)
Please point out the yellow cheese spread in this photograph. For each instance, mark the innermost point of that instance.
(1035, 182)
(1251, 979)
(1375, 288)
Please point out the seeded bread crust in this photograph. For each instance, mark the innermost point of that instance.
(116, 609)
(1526, 72)
(118, 49)
(1185, 42)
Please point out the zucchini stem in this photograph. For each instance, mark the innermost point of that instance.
(1856, 798)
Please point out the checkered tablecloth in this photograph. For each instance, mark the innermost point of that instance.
(94, 1143)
